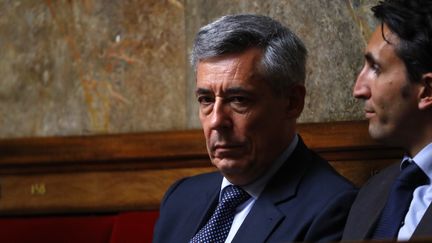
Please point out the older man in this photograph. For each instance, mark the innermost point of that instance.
(250, 73)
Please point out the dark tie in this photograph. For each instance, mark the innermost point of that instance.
(218, 227)
(398, 201)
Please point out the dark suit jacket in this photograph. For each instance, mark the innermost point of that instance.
(306, 200)
(369, 203)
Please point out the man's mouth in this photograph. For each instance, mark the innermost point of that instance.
(224, 149)
(369, 113)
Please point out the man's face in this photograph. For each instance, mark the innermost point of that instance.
(245, 125)
(391, 103)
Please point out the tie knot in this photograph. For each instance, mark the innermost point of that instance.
(233, 196)
(413, 175)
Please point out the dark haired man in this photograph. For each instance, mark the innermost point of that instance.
(396, 85)
(250, 73)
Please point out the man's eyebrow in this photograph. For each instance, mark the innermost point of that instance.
(201, 91)
(370, 58)
(236, 90)
(229, 91)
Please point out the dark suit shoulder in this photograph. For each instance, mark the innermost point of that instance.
(330, 196)
(377, 186)
(184, 205)
(196, 182)
(368, 204)
(312, 197)
(183, 193)
(308, 176)
(322, 179)
(332, 177)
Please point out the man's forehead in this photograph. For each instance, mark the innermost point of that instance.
(384, 35)
(382, 42)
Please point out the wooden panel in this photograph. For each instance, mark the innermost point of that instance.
(88, 191)
(102, 149)
(132, 171)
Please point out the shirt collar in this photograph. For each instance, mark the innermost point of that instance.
(423, 159)
(254, 189)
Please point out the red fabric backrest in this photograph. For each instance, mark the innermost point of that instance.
(134, 227)
(129, 227)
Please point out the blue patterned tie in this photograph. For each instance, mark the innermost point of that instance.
(398, 201)
(218, 227)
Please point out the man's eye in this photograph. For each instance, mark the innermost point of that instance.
(205, 100)
(375, 68)
(240, 103)
(238, 99)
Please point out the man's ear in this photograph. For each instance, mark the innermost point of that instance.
(425, 101)
(295, 102)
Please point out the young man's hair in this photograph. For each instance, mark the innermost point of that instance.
(411, 21)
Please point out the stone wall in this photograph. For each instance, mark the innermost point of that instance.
(77, 67)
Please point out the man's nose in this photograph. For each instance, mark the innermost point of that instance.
(221, 115)
(361, 88)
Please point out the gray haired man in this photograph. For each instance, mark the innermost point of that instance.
(269, 187)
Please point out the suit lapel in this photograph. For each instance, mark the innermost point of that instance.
(374, 212)
(206, 209)
(260, 222)
(265, 214)
(424, 228)
(206, 212)
(371, 202)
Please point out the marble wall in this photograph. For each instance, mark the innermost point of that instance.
(74, 67)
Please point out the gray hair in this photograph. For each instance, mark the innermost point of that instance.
(284, 54)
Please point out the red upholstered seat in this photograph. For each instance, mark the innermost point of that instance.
(134, 227)
(129, 227)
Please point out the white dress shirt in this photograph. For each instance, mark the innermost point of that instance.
(422, 195)
(255, 189)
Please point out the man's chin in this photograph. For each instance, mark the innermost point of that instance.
(229, 166)
(378, 133)
(374, 132)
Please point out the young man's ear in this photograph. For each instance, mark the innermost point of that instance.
(296, 99)
(425, 101)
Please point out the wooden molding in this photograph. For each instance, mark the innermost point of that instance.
(106, 173)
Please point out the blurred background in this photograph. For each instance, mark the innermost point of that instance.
(82, 67)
